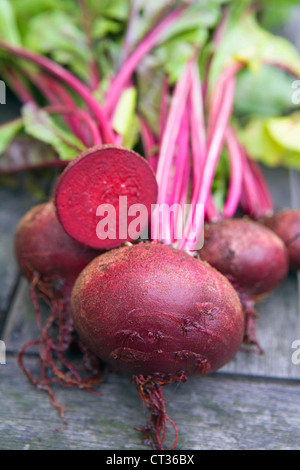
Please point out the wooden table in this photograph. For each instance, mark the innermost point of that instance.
(252, 403)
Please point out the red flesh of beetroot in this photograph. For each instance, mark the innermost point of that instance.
(152, 309)
(286, 224)
(100, 176)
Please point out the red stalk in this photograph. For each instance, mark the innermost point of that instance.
(54, 69)
(222, 104)
(80, 114)
(145, 46)
(168, 145)
(236, 167)
(19, 86)
(149, 143)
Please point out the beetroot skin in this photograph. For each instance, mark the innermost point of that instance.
(252, 257)
(51, 261)
(43, 247)
(152, 309)
(286, 224)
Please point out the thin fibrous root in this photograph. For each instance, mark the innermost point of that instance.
(250, 335)
(151, 393)
(56, 336)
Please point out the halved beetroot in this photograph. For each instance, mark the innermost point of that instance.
(98, 177)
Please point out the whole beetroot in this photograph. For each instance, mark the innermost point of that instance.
(159, 314)
(51, 261)
(252, 257)
(286, 224)
(43, 247)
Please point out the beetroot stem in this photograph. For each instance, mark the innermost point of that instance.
(19, 86)
(167, 148)
(178, 196)
(55, 94)
(222, 104)
(59, 95)
(80, 114)
(145, 46)
(149, 143)
(266, 202)
(164, 105)
(235, 185)
(198, 131)
(68, 78)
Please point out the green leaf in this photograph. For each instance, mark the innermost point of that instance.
(114, 9)
(125, 111)
(8, 26)
(125, 121)
(150, 78)
(286, 131)
(8, 131)
(246, 41)
(103, 26)
(264, 92)
(56, 33)
(273, 141)
(25, 10)
(25, 153)
(38, 124)
(189, 32)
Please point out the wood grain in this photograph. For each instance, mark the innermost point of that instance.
(215, 412)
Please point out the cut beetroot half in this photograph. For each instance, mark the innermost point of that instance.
(103, 198)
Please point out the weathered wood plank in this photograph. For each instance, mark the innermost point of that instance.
(21, 323)
(13, 204)
(279, 324)
(278, 327)
(224, 412)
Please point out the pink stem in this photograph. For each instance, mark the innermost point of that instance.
(168, 144)
(236, 169)
(181, 159)
(80, 114)
(145, 46)
(149, 143)
(134, 11)
(215, 145)
(211, 212)
(178, 196)
(198, 130)
(73, 82)
(56, 95)
(267, 207)
(164, 107)
(62, 96)
(249, 201)
(19, 87)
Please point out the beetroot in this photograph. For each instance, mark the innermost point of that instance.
(286, 224)
(43, 247)
(159, 314)
(100, 176)
(51, 261)
(252, 257)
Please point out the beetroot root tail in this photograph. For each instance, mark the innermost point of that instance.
(150, 389)
(54, 342)
(250, 336)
